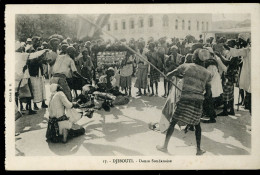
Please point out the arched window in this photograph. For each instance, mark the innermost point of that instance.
(108, 27)
(198, 25)
(176, 24)
(189, 25)
(203, 26)
(115, 25)
(132, 24)
(123, 25)
(141, 22)
(207, 26)
(150, 21)
(183, 25)
(165, 21)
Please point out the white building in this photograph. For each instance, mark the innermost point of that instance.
(157, 25)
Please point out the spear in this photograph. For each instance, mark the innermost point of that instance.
(129, 48)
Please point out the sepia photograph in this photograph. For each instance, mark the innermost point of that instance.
(130, 87)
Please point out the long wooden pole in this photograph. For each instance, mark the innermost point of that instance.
(129, 48)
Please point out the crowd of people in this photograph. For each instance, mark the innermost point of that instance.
(206, 72)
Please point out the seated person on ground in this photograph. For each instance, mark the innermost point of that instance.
(60, 127)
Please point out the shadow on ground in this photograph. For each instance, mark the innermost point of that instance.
(31, 122)
(108, 131)
(113, 131)
(235, 127)
(69, 148)
(232, 127)
(210, 145)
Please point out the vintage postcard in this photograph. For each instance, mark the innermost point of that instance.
(132, 86)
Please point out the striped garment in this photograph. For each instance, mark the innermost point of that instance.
(154, 75)
(141, 77)
(189, 108)
(228, 91)
(188, 112)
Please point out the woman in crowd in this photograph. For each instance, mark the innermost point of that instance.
(189, 108)
(142, 68)
(126, 72)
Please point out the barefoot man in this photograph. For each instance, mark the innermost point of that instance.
(196, 79)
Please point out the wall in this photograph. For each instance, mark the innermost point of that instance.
(158, 30)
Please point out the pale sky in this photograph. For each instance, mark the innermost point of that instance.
(235, 17)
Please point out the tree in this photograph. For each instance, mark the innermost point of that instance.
(45, 25)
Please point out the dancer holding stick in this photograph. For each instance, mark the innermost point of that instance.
(196, 79)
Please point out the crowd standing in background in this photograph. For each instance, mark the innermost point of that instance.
(208, 72)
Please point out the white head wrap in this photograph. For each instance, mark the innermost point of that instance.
(53, 87)
(111, 68)
(29, 40)
(174, 46)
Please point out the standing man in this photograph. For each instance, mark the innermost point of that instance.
(63, 49)
(62, 69)
(154, 74)
(45, 66)
(196, 79)
(245, 76)
(94, 53)
(35, 67)
(28, 42)
(86, 66)
(52, 55)
(88, 47)
(171, 62)
(36, 42)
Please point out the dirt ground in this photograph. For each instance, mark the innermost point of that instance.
(124, 131)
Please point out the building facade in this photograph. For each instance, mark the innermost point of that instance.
(157, 25)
